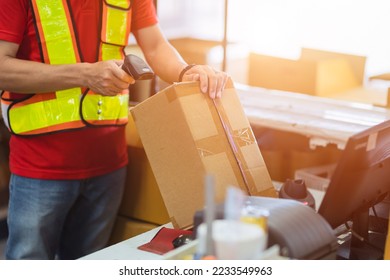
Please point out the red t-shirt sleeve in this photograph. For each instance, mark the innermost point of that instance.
(13, 20)
(144, 14)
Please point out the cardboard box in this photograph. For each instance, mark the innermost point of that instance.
(317, 177)
(315, 72)
(125, 228)
(187, 135)
(356, 62)
(141, 199)
(194, 50)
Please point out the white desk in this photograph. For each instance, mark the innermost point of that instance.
(127, 250)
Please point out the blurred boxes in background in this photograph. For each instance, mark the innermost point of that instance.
(203, 52)
(186, 135)
(315, 72)
(357, 63)
(196, 51)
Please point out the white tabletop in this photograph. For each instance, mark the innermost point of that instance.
(127, 250)
(323, 120)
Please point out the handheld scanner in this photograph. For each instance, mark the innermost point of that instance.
(137, 68)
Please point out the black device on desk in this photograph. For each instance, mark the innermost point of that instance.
(360, 181)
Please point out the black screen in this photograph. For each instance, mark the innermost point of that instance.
(361, 178)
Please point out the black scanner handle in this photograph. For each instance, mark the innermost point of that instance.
(137, 68)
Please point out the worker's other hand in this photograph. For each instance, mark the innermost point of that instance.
(211, 81)
(108, 78)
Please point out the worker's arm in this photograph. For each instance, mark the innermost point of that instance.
(24, 76)
(168, 64)
(384, 76)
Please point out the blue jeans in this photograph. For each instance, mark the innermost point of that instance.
(64, 219)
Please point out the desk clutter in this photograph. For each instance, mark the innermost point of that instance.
(250, 228)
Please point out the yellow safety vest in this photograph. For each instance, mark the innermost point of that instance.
(76, 107)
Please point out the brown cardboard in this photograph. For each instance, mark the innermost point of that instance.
(185, 139)
(356, 62)
(125, 228)
(316, 72)
(194, 50)
(141, 199)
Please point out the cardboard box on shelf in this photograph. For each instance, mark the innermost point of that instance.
(357, 62)
(141, 199)
(187, 135)
(315, 72)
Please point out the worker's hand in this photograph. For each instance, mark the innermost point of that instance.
(211, 81)
(107, 78)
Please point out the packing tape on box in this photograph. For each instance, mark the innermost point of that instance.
(229, 134)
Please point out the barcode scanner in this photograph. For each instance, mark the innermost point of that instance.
(137, 68)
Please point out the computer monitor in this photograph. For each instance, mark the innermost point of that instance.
(360, 181)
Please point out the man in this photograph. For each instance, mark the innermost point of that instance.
(65, 102)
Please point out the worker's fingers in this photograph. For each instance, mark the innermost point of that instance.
(211, 81)
(222, 78)
(121, 74)
(107, 78)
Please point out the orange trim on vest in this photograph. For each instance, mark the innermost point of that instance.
(34, 98)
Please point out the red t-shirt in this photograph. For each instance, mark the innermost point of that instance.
(79, 153)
